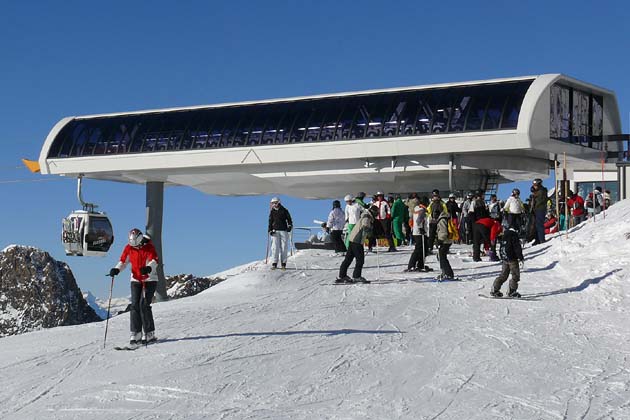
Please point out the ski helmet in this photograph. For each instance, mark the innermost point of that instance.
(452, 195)
(435, 192)
(361, 195)
(336, 204)
(516, 191)
(379, 193)
(135, 237)
(348, 198)
(537, 181)
(275, 200)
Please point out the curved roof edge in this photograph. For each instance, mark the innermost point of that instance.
(534, 97)
(43, 155)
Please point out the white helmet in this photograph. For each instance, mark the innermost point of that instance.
(348, 198)
(135, 237)
(275, 200)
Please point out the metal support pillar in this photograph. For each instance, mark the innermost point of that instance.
(155, 207)
(623, 180)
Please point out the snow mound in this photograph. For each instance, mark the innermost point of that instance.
(292, 345)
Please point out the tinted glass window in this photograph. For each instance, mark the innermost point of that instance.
(404, 113)
(329, 124)
(598, 115)
(580, 119)
(560, 112)
(511, 112)
(458, 113)
(301, 122)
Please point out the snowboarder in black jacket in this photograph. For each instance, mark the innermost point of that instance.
(511, 255)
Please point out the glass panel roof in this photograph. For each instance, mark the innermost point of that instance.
(402, 113)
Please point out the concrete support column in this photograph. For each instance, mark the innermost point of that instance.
(155, 208)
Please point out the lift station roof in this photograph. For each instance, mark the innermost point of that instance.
(452, 136)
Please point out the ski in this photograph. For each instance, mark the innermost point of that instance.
(351, 283)
(507, 297)
(128, 347)
(438, 280)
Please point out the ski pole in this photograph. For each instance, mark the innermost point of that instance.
(378, 265)
(267, 252)
(109, 304)
(142, 315)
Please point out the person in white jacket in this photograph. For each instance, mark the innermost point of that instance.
(420, 229)
(335, 224)
(353, 214)
(514, 210)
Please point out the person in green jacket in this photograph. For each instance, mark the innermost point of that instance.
(398, 218)
(359, 199)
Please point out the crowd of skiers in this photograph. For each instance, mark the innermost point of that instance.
(427, 223)
(423, 222)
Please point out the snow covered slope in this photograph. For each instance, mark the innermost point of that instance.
(290, 345)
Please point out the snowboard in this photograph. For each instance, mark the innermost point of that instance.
(507, 297)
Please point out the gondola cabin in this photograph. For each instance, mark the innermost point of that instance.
(87, 233)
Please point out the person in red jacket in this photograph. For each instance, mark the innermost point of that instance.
(551, 224)
(141, 254)
(576, 207)
(486, 230)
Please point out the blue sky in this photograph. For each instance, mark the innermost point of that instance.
(73, 58)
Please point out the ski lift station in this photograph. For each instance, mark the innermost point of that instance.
(451, 136)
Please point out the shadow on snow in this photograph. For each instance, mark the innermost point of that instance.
(330, 333)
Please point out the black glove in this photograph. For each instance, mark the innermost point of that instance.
(289, 227)
(272, 232)
(145, 270)
(114, 272)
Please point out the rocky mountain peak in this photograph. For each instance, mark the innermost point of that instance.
(37, 291)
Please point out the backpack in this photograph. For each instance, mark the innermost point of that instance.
(453, 233)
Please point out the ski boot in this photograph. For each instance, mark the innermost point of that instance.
(284, 266)
(514, 294)
(426, 269)
(274, 266)
(392, 249)
(344, 279)
(360, 280)
(496, 293)
(149, 338)
(135, 339)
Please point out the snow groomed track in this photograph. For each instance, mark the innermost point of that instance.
(287, 345)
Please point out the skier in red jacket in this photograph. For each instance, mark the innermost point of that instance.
(141, 254)
(485, 231)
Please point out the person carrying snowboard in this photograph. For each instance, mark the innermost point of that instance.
(280, 224)
(359, 234)
(141, 254)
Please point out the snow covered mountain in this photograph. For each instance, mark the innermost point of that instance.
(36, 291)
(291, 345)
